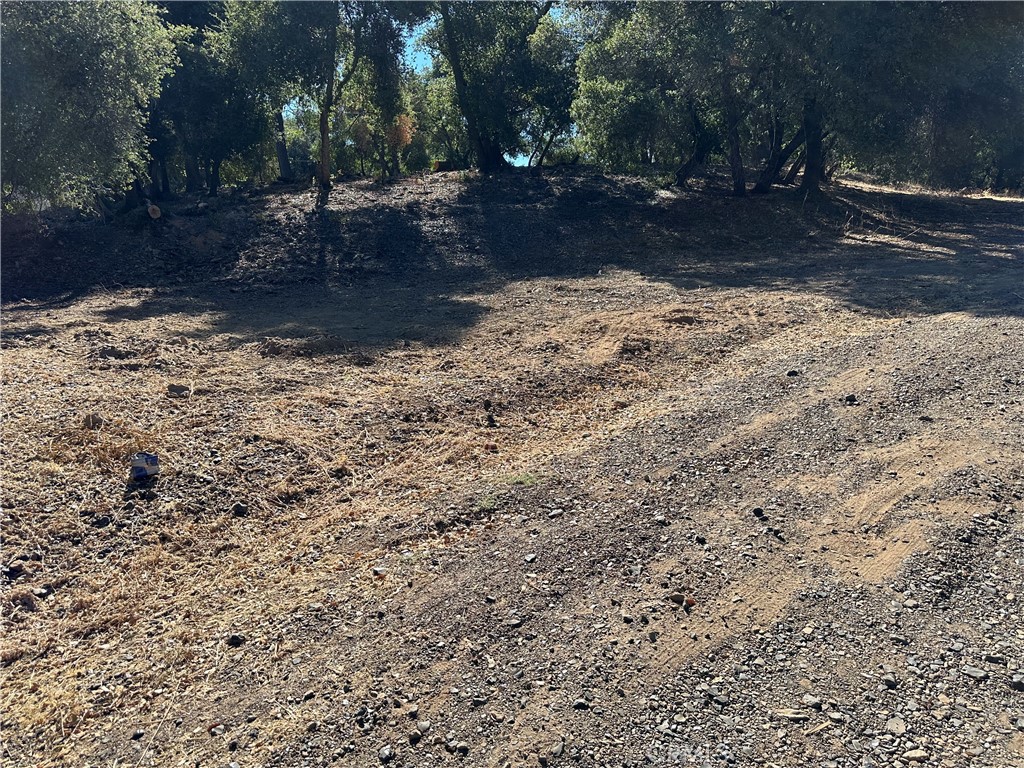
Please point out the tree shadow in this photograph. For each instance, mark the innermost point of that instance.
(386, 264)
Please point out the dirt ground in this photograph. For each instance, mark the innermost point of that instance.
(547, 470)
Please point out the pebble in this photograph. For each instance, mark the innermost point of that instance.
(385, 754)
(238, 509)
(236, 639)
(915, 755)
(530, 557)
(896, 725)
(811, 701)
(793, 715)
(975, 673)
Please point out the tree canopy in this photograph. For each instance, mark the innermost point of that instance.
(105, 96)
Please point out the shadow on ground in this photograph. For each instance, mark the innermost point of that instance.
(383, 264)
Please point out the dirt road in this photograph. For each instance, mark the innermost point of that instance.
(533, 471)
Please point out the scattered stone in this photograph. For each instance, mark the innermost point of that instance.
(178, 390)
(423, 726)
(889, 680)
(758, 512)
(581, 704)
(915, 755)
(218, 730)
(385, 754)
(975, 673)
(238, 509)
(792, 373)
(793, 715)
(811, 701)
(236, 639)
(515, 621)
(93, 421)
(851, 399)
(138, 734)
(530, 557)
(896, 725)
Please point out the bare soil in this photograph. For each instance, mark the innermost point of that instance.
(532, 470)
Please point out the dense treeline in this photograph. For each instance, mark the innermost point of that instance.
(108, 103)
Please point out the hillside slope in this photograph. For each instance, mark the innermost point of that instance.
(537, 470)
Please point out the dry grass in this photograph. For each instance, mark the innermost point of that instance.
(341, 454)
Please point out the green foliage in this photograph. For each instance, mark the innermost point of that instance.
(102, 95)
(76, 80)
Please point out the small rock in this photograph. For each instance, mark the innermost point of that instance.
(93, 421)
(581, 704)
(811, 701)
(975, 673)
(138, 734)
(236, 639)
(423, 726)
(793, 373)
(178, 390)
(793, 715)
(889, 680)
(757, 512)
(385, 754)
(896, 725)
(530, 557)
(238, 509)
(850, 399)
(218, 730)
(515, 621)
(462, 748)
(915, 755)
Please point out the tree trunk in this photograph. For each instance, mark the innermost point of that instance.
(165, 180)
(739, 180)
(773, 165)
(283, 164)
(794, 169)
(544, 152)
(814, 162)
(193, 182)
(326, 105)
(704, 143)
(213, 179)
(461, 89)
(490, 158)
